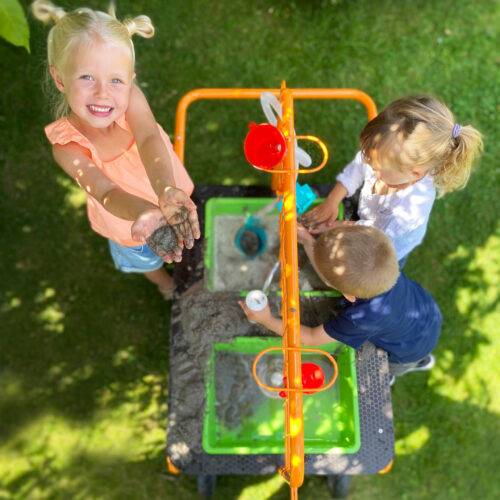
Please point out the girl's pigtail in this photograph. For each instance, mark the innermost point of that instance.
(464, 150)
(140, 25)
(47, 12)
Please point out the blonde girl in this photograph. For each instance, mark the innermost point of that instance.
(411, 148)
(106, 138)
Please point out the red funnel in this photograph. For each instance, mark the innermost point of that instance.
(265, 146)
(312, 378)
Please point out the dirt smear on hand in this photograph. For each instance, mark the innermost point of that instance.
(163, 240)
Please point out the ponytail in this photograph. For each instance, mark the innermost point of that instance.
(140, 25)
(464, 149)
(47, 12)
(425, 129)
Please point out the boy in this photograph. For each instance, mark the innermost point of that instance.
(379, 303)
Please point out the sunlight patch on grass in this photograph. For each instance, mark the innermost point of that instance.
(211, 126)
(10, 302)
(124, 356)
(80, 374)
(478, 301)
(55, 371)
(75, 195)
(413, 441)
(52, 318)
(483, 276)
(12, 388)
(264, 490)
(144, 404)
(51, 445)
(43, 295)
(477, 384)
(53, 452)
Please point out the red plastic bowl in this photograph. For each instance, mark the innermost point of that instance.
(265, 146)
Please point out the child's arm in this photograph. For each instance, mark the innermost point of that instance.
(323, 216)
(148, 217)
(308, 336)
(73, 160)
(306, 239)
(178, 208)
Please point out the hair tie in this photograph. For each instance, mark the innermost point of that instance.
(456, 130)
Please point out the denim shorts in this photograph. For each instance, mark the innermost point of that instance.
(139, 259)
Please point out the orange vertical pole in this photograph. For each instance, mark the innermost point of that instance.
(291, 314)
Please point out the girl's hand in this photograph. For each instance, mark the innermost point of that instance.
(320, 218)
(304, 237)
(152, 227)
(263, 316)
(180, 212)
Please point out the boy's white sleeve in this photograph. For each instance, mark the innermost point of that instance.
(353, 175)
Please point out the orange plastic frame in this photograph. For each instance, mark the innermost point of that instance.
(283, 183)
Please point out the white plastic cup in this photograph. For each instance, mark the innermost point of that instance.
(256, 300)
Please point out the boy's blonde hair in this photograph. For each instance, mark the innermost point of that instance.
(420, 131)
(85, 26)
(357, 260)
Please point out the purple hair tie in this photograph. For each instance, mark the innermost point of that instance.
(456, 130)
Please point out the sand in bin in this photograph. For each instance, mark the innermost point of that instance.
(233, 272)
(238, 395)
(208, 318)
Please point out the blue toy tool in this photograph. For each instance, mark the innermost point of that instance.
(251, 239)
(304, 196)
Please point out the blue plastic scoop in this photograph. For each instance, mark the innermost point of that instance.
(251, 239)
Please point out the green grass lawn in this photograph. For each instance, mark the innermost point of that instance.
(84, 361)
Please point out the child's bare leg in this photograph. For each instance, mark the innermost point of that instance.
(161, 278)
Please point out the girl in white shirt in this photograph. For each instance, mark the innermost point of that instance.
(411, 148)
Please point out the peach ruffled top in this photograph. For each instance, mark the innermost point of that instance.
(126, 170)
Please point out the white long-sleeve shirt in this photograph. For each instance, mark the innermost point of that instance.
(402, 215)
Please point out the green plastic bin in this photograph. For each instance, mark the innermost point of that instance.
(241, 208)
(242, 418)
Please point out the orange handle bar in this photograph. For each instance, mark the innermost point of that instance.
(199, 94)
(301, 389)
(302, 170)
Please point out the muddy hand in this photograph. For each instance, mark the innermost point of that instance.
(320, 218)
(151, 226)
(180, 212)
(303, 235)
